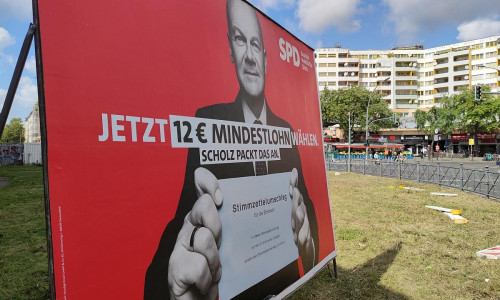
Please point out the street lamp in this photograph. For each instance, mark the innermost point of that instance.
(367, 124)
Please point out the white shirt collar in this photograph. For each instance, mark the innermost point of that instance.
(250, 117)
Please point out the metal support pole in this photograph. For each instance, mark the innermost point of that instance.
(349, 146)
(439, 174)
(487, 177)
(334, 261)
(461, 176)
(418, 171)
(381, 162)
(400, 167)
(16, 77)
(364, 167)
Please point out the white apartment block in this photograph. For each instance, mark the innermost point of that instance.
(412, 77)
(32, 126)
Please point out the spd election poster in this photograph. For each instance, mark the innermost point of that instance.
(183, 151)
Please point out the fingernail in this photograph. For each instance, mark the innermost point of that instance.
(218, 197)
(219, 274)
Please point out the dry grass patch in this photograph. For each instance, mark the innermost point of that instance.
(391, 247)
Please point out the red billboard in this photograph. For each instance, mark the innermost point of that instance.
(184, 154)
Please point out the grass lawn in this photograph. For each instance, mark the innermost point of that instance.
(389, 245)
(23, 244)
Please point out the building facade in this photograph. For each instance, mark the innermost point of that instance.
(414, 78)
(32, 126)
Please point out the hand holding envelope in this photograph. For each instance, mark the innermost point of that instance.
(195, 266)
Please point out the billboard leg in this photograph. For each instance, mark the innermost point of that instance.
(16, 77)
(334, 268)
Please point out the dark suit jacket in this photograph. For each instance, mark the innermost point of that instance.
(156, 284)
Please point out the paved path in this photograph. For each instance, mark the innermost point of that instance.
(4, 181)
(476, 163)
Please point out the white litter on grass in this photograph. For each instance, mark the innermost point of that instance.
(444, 194)
(457, 219)
(337, 173)
(413, 188)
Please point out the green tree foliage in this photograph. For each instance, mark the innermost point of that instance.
(462, 113)
(13, 132)
(337, 104)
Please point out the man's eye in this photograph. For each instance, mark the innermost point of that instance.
(239, 40)
(256, 47)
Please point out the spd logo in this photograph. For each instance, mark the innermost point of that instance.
(288, 51)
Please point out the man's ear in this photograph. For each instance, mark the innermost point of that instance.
(230, 48)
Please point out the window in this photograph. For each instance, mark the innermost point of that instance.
(491, 44)
(322, 65)
(490, 54)
(322, 55)
(332, 55)
(477, 56)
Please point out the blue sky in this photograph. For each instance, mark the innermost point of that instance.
(354, 24)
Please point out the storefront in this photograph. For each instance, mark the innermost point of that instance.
(487, 143)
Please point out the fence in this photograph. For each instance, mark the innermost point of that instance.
(483, 182)
(18, 154)
(11, 154)
(32, 153)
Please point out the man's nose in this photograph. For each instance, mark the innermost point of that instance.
(249, 54)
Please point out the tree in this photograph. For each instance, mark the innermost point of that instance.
(337, 105)
(462, 113)
(13, 132)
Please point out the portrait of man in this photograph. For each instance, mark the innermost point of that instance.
(186, 264)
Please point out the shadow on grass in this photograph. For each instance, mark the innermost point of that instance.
(361, 282)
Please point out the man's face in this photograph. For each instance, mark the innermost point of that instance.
(247, 48)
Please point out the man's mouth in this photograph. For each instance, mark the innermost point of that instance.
(252, 73)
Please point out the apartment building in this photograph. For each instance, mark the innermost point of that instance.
(412, 77)
(32, 126)
(415, 78)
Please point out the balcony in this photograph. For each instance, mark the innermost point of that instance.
(406, 86)
(441, 84)
(343, 60)
(461, 52)
(406, 97)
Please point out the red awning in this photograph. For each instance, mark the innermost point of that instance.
(393, 146)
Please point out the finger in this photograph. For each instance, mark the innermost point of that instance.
(213, 291)
(296, 201)
(204, 243)
(299, 219)
(294, 179)
(186, 269)
(305, 232)
(206, 183)
(205, 214)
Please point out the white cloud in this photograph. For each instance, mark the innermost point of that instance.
(27, 93)
(412, 18)
(478, 29)
(31, 65)
(317, 15)
(16, 8)
(5, 39)
(3, 93)
(275, 4)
